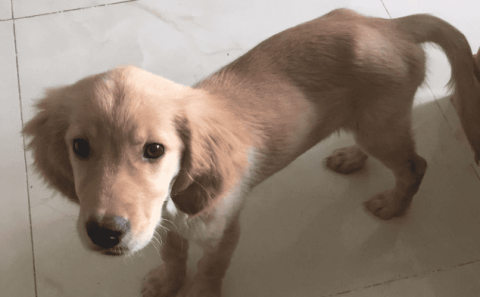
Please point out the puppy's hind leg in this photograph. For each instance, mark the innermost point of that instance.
(346, 160)
(395, 148)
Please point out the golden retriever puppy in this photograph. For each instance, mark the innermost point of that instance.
(138, 151)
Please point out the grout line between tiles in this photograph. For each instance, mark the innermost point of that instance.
(441, 110)
(24, 152)
(452, 129)
(386, 9)
(73, 9)
(404, 278)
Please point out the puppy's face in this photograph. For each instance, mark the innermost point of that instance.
(125, 152)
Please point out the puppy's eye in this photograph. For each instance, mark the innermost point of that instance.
(81, 148)
(153, 151)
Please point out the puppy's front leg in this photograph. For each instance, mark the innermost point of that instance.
(167, 279)
(214, 264)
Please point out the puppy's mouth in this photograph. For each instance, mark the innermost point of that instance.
(116, 251)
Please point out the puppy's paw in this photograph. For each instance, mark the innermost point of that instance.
(385, 205)
(346, 160)
(160, 283)
(202, 288)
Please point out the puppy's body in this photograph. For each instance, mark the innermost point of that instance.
(236, 128)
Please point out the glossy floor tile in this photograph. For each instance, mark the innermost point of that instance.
(16, 263)
(304, 230)
(5, 10)
(457, 281)
(27, 8)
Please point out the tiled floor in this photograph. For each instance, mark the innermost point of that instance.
(305, 232)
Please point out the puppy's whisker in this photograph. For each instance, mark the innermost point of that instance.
(178, 231)
(165, 229)
(155, 245)
(157, 239)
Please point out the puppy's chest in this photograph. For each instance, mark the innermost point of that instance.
(206, 228)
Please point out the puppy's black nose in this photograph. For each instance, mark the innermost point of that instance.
(108, 231)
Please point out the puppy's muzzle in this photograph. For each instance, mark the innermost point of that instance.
(107, 233)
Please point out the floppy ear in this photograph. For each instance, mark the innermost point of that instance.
(213, 160)
(48, 129)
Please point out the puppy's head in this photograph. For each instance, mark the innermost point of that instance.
(120, 144)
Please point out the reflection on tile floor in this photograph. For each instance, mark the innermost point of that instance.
(304, 231)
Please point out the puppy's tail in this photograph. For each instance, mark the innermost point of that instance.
(427, 28)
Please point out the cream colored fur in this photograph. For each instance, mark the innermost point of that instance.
(137, 151)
